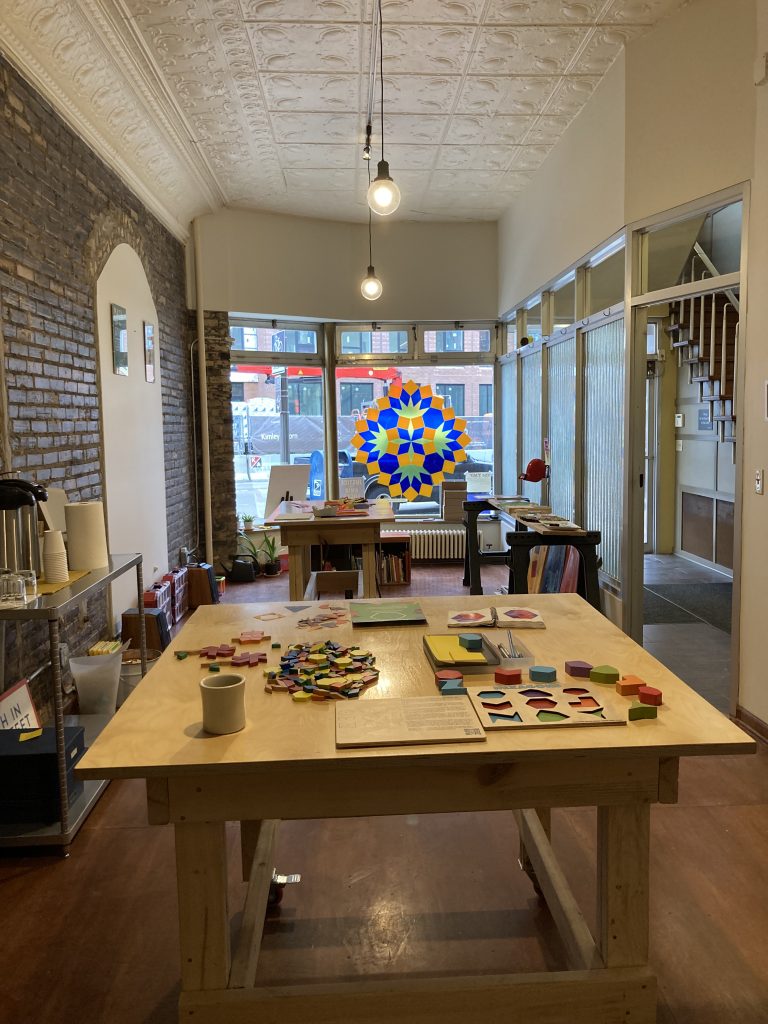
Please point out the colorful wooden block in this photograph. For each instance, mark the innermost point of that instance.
(628, 686)
(508, 676)
(446, 676)
(471, 641)
(638, 711)
(181, 655)
(542, 674)
(319, 695)
(214, 667)
(276, 646)
(251, 636)
(579, 669)
(453, 690)
(606, 675)
(248, 659)
(222, 651)
(300, 696)
(649, 695)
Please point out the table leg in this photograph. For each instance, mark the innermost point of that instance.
(369, 569)
(472, 554)
(545, 817)
(201, 873)
(296, 582)
(623, 850)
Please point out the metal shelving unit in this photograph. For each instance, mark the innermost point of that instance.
(52, 608)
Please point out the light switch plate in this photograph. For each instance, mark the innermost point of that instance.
(678, 446)
(679, 419)
(759, 481)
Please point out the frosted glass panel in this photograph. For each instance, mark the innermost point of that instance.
(531, 404)
(604, 440)
(509, 468)
(562, 427)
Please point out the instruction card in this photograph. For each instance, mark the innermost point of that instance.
(398, 720)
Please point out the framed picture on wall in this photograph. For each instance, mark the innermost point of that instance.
(149, 352)
(119, 340)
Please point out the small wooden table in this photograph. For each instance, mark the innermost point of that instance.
(300, 534)
(285, 765)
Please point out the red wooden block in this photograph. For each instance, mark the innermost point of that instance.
(222, 651)
(649, 695)
(508, 676)
(251, 636)
(628, 686)
(249, 659)
(448, 675)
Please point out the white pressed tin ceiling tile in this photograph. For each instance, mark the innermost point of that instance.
(458, 181)
(424, 49)
(454, 11)
(317, 179)
(308, 47)
(415, 158)
(418, 94)
(602, 49)
(486, 158)
(505, 94)
(318, 155)
(525, 50)
(641, 12)
(571, 95)
(516, 181)
(543, 12)
(412, 129)
(301, 128)
(487, 131)
(510, 128)
(547, 130)
(297, 92)
(528, 158)
(301, 10)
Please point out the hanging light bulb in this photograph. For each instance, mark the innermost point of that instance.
(383, 193)
(370, 286)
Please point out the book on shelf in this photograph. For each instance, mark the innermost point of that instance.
(510, 616)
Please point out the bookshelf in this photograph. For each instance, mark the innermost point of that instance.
(394, 560)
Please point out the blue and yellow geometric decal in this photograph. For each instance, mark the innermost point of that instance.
(411, 439)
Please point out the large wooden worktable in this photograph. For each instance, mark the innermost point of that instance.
(284, 765)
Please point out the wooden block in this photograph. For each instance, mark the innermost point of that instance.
(638, 710)
(607, 675)
(318, 695)
(222, 651)
(508, 676)
(252, 636)
(453, 689)
(471, 641)
(628, 686)
(446, 676)
(542, 674)
(579, 669)
(301, 695)
(649, 695)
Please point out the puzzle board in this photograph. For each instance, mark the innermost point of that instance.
(532, 705)
(398, 720)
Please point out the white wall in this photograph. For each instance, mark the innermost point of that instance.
(689, 106)
(133, 427)
(256, 262)
(753, 692)
(575, 200)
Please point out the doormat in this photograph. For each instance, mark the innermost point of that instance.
(657, 611)
(710, 602)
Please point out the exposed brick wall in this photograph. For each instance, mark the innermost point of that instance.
(62, 212)
(217, 367)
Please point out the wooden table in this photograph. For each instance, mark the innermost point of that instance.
(285, 765)
(300, 534)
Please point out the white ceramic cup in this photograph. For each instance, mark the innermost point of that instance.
(223, 703)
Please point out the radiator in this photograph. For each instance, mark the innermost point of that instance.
(438, 545)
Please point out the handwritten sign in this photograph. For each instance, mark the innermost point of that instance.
(16, 708)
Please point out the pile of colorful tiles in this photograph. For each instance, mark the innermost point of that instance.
(322, 671)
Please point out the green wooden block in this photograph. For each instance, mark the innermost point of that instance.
(638, 710)
(213, 667)
(605, 674)
(181, 655)
(276, 647)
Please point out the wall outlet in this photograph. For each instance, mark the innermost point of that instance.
(679, 419)
(759, 481)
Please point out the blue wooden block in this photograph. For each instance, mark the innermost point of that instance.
(471, 641)
(542, 674)
(452, 690)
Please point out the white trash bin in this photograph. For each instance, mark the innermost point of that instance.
(130, 673)
(96, 679)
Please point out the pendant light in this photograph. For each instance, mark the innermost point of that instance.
(370, 286)
(383, 193)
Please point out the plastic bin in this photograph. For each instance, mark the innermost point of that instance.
(130, 673)
(97, 680)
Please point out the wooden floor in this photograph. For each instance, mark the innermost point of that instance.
(93, 938)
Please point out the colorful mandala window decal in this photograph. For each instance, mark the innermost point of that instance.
(412, 439)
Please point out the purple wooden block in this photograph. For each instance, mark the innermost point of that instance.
(580, 669)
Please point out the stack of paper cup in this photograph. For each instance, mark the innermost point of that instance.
(54, 557)
(86, 535)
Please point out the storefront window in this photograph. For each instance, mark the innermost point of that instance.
(459, 340)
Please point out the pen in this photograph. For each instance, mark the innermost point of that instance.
(514, 651)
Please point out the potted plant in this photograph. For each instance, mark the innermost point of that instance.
(247, 522)
(246, 549)
(271, 565)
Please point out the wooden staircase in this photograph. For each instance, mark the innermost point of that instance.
(705, 332)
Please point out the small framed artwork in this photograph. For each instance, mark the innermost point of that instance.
(149, 352)
(119, 341)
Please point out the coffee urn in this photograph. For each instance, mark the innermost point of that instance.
(19, 544)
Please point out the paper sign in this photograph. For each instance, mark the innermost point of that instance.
(16, 708)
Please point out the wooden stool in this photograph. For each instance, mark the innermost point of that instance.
(519, 556)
